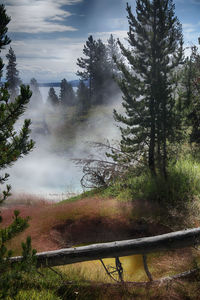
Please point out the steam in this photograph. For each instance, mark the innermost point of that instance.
(48, 170)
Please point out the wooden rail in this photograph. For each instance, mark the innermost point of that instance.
(164, 242)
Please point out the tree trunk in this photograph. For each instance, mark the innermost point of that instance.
(165, 242)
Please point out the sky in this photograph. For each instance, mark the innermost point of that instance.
(48, 35)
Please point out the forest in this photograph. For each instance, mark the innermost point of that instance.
(143, 183)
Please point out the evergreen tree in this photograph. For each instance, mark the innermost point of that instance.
(113, 54)
(52, 97)
(156, 50)
(190, 92)
(12, 146)
(4, 39)
(67, 96)
(36, 99)
(12, 75)
(97, 70)
(87, 64)
(101, 73)
(83, 97)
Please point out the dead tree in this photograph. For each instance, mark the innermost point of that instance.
(101, 169)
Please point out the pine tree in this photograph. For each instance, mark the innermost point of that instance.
(156, 50)
(113, 54)
(13, 145)
(101, 73)
(52, 97)
(4, 39)
(12, 75)
(67, 96)
(36, 99)
(97, 70)
(190, 92)
(87, 64)
(83, 98)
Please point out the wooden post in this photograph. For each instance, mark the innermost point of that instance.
(146, 268)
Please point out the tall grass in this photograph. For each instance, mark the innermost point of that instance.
(181, 187)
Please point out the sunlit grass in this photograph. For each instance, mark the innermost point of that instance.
(181, 187)
(133, 269)
(33, 294)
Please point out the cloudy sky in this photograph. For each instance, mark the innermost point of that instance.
(48, 35)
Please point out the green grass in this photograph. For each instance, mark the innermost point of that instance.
(71, 286)
(49, 285)
(35, 295)
(86, 194)
(180, 189)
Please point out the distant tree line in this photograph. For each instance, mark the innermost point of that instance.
(98, 71)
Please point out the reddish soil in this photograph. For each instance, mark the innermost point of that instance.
(101, 229)
(86, 221)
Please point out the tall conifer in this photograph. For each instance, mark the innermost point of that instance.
(97, 67)
(67, 96)
(156, 50)
(52, 97)
(87, 64)
(83, 97)
(36, 98)
(12, 74)
(13, 145)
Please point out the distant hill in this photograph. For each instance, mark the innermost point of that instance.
(74, 83)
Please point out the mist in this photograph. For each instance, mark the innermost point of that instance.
(48, 171)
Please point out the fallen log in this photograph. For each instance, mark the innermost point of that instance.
(164, 242)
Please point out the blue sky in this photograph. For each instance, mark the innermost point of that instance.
(48, 35)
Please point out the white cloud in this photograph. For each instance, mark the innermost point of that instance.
(53, 59)
(47, 60)
(189, 27)
(34, 16)
(191, 33)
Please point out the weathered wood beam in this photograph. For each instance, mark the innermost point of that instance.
(169, 241)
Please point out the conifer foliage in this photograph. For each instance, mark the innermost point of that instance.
(113, 53)
(155, 52)
(36, 98)
(87, 64)
(4, 39)
(12, 146)
(97, 67)
(190, 92)
(83, 97)
(67, 96)
(52, 97)
(12, 75)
